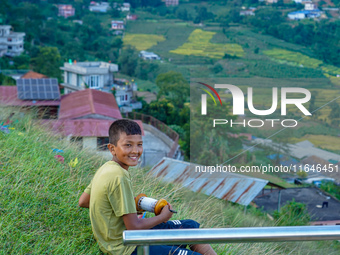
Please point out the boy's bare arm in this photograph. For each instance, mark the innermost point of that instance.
(132, 222)
(84, 200)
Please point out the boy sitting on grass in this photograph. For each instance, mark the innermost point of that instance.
(112, 205)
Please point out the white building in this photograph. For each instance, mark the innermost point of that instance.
(99, 7)
(171, 2)
(310, 6)
(247, 13)
(304, 14)
(117, 25)
(148, 55)
(125, 7)
(11, 43)
(94, 75)
(125, 92)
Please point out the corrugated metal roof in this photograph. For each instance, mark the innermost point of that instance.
(88, 102)
(228, 186)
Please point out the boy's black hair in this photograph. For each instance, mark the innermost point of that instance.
(129, 127)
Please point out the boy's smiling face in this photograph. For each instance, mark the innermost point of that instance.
(128, 150)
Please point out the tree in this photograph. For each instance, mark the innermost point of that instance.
(177, 119)
(6, 80)
(146, 70)
(203, 13)
(74, 51)
(47, 62)
(162, 110)
(217, 68)
(93, 22)
(182, 14)
(22, 61)
(173, 86)
(28, 18)
(128, 61)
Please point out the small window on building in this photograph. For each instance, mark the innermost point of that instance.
(126, 97)
(102, 143)
(94, 81)
(79, 80)
(9, 47)
(9, 39)
(69, 77)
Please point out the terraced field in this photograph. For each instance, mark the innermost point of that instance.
(142, 41)
(299, 59)
(293, 57)
(199, 44)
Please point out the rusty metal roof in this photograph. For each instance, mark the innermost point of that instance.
(232, 187)
(83, 103)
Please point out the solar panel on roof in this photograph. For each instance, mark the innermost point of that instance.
(38, 89)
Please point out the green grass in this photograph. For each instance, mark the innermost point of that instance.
(39, 199)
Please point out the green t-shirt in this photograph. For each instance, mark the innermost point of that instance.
(111, 197)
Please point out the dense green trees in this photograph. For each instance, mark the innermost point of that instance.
(47, 62)
(128, 61)
(131, 64)
(39, 20)
(6, 80)
(173, 86)
(172, 107)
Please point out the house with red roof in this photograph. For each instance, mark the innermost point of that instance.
(65, 10)
(85, 116)
(33, 75)
(89, 104)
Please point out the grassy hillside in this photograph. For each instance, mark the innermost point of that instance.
(39, 211)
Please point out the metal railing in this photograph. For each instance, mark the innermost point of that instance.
(144, 238)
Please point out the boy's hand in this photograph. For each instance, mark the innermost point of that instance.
(165, 213)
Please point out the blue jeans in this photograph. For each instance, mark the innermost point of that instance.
(176, 249)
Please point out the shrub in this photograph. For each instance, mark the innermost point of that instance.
(292, 214)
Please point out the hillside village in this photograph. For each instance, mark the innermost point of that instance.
(103, 61)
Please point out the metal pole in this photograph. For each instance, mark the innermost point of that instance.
(230, 235)
(143, 250)
(279, 201)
